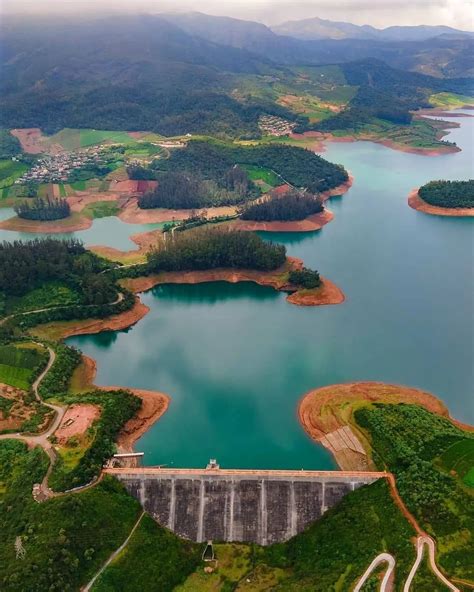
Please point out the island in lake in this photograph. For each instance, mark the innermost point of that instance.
(444, 198)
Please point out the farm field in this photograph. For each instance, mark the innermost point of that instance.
(447, 100)
(18, 364)
(48, 295)
(267, 176)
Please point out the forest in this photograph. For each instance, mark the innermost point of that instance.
(293, 205)
(27, 265)
(43, 209)
(9, 145)
(305, 278)
(448, 194)
(188, 190)
(409, 441)
(211, 248)
(212, 160)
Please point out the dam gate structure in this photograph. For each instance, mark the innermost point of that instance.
(262, 507)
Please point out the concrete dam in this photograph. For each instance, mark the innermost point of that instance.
(263, 507)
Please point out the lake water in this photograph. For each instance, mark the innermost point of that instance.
(110, 231)
(236, 359)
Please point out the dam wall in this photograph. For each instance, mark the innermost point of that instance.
(262, 507)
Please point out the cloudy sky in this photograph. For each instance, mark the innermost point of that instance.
(379, 13)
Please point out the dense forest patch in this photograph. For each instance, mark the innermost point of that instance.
(40, 209)
(293, 205)
(204, 249)
(178, 190)
(448, 194)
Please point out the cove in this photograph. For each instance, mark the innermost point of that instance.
(109, 232)
(236, 359)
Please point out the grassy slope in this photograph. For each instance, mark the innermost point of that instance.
(447, 100)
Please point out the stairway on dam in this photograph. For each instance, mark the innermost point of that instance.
(263, 507)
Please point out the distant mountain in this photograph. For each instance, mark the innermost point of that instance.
(316, 29)
(443, 55)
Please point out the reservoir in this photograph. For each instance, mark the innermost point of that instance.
(236, 359)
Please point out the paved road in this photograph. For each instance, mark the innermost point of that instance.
(382, 558)
(421, 541)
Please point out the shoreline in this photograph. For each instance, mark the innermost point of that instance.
(327, 294)
(322, 138)
(326, 415)
(417, 203)
(154, 406)
(70, 224)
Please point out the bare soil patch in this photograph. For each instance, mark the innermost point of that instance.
(70, 224)
(76, 421)
(311, 223)
(415, 202)
(134, 215)
(154, 404)
(21, 409)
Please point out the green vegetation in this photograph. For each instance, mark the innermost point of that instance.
(56, 381)
(411, 442)
(257, 173)
(49, 294)
(448, 194)
(205, 249)
(74, 139)
(117, 407)
(212, 160)
(9, 145)
(20, 364)
(293, 205)
(10, 170)
(447, 100)
(305, 278)
(101, 209)
(177, 558)
(183, 190)
(40, 209)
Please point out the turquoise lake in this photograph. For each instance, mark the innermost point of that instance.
(236, 359)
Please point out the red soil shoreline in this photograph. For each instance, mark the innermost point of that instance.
(154, 405)
(418, 204)
(326, 294)
(309, 224)
(327, 409)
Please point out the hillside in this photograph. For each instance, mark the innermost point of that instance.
(317, 28)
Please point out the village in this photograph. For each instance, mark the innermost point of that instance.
(271, 125)
(57, 168)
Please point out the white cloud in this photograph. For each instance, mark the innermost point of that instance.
(379, 13)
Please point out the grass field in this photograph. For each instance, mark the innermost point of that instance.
(144, 150)
(256, 173)
(101, 209)
(10, 170)
(446, 100)
(73, 139)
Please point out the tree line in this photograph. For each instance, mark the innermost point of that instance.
(213, 160)
(448, 194)
(43, 209)
(187, 190)
(211, 248)
(27, 265)
(293, 205)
